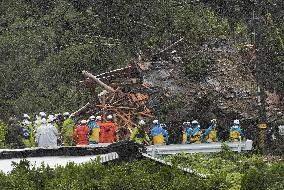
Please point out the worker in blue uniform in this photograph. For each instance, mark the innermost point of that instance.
(187, 133)
(236, 132)
(158, 134)
(210, 134)
(196, 132)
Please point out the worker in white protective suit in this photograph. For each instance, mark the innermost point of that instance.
(46, 134)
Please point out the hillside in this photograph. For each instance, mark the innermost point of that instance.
(44, 46)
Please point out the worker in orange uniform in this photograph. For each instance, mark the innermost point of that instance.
(81, 134)
(108, 131)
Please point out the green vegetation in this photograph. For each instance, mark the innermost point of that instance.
(3, 131)
(230, 170)
(225, 170)
(45, 44)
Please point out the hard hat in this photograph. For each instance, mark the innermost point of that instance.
(43, 121)
(26, 122)
(279, 114)
(92, 117)
(99, 118)
(66, 114)
(194, 122)
(186, 123)
(236, 122)
(26, 116)
(142, 122)
(50, 118)
(42, 114)
(84, 121)
(109, 117)
(163, 125)
(155, 121)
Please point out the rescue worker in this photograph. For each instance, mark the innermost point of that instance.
(210, 134)
(184, 127)
(196, 132)
(188, 131)
(108, 131)
(67, 130)
(236, 131)
(13, 137)
(28, 132)
(276, 130)
(158, 134)
(94, 129)
(59, 122)
(53, 118)
(81, 134)
(46, 134)
(39, 117)
(139, 134)
(166, 134)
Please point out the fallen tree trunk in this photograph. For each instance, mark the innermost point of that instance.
(106, 87)
(82, 109)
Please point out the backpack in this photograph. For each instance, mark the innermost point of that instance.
(26, 133)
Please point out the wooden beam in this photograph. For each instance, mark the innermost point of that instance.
(119, 107)
(89, 75)
(80, 110)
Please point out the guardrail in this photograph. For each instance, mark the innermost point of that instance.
(186, 170)
(54, 161)
(154, 150)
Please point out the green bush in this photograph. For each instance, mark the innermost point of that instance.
(230, 170)
(3, 131)
(225, 171)
(267, 177)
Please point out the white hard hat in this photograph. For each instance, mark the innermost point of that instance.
(92, 117)
(236, 122)
(155, 121)
(194, 122)
(142, 122)
(99, 117)
(109, 117)
(186, 123)
(84, 121)
(279, 113)
(66, 114)
(163, 125)
(50, 118)
(42, 114)
(26, 122)
(43, 121)
(26, 116)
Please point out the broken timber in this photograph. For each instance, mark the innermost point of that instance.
(124, 95)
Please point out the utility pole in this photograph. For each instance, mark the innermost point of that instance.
(262, 121)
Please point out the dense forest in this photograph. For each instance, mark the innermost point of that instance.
(45, 44)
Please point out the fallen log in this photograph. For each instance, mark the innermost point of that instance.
(82, 109)
(106, 87)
